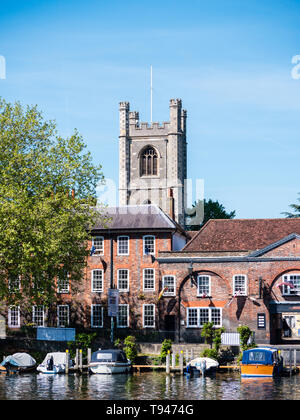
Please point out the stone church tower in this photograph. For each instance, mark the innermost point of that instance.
(153, 160)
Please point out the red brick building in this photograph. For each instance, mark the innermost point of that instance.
(232, 272)
(238, 272)
(122, 257)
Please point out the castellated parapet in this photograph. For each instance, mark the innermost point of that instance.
(152, 160)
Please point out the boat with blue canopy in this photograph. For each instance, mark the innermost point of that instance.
(261, 361)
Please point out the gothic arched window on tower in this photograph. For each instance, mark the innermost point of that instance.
(149, 162)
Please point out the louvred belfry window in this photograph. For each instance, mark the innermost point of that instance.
(149, 162)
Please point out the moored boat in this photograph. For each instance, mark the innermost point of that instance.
(109, 362)
(203, 365)
(261, 361)
(18, 362)
(54, 363)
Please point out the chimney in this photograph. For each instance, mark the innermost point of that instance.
(171, 210)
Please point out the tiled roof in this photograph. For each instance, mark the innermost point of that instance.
(135, 217)
(241, 234)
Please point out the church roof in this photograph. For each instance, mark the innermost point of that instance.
(136, 217)
(241, 234)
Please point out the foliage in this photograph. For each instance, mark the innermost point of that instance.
(212, 210)
(296, 209)
(211, 353)
(217, 340)
(208, 333)
(212, 337)
(44, 228)
(129, 346)
(82, 341)
(165, 348)
(119, 344)
(245, 333)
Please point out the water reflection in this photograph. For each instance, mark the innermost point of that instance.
(146, 386)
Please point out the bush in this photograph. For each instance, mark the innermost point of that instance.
(212, 337)
(211, 353)
(165, 348)
(130, 348)
(208, 333)
(82, 341)
(245, 333)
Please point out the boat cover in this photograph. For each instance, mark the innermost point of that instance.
(109, 356)
(210, 363)
(258, 356)
(59, 358)
(19, 360)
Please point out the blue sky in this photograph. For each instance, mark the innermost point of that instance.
(230, 62)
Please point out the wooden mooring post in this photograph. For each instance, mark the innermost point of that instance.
(173, 360)
(76, 359)
(168, 363)
(181, 362)
(80, 360)
(67, 361)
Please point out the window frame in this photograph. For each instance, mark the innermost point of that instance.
(144, 243)
(9, 323)
(95, 290)
(236, 292)
(58, 316)
(66, 280)
(149, 289)
(286, 290)
(149, 162)
(144, 307)
(93, 316)
(127, 317)
(101, 251)
(163, 285)
(209, 311)
(209, 285)
(118, 280)
(118, 246)
(34, 309)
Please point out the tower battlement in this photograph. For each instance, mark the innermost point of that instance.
(132, 126)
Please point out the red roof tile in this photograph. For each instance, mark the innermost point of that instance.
(241, 234)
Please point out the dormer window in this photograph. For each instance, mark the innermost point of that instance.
(149, 162)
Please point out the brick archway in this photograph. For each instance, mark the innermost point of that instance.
(187, 278)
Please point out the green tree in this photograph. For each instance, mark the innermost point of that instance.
(296, 209)
(130, 348)
(44, 228)
(211, 210)
(208, 333)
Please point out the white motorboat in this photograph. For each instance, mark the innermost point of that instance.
(202, 365)
(109, 362)
(54, 363)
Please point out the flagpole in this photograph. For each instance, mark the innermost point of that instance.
(151, 93)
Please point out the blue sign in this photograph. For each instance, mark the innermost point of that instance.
(55, 334)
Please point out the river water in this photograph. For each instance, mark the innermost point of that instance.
(146, 386)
